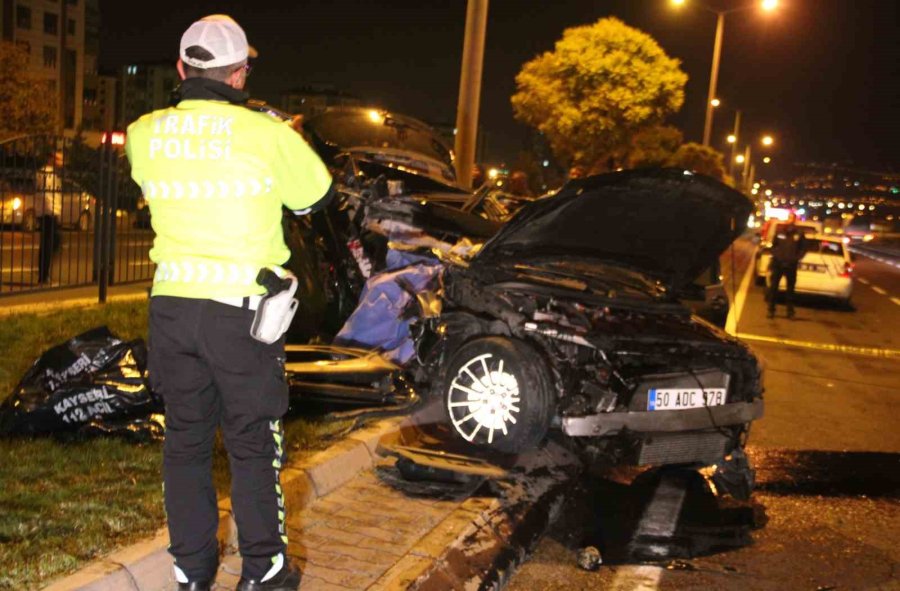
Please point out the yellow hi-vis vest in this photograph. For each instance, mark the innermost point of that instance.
(215, 176)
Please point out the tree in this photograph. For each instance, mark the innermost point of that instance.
(700, 159)
(26, 106)
(600, 85)
(653, 146)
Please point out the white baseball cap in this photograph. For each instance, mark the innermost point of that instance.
(219, 35)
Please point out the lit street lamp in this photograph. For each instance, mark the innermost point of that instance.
(766, 5)
(767, 140)
(715, 103)
(731, 138)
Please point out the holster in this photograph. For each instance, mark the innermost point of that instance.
(276, 309)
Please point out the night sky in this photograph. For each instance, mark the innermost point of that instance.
(822, 76)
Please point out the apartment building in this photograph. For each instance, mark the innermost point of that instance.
(143, 88)
(62, 39)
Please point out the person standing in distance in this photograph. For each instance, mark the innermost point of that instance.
(216, 175)
(788, 248)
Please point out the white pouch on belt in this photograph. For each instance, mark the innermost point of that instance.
(276, 309)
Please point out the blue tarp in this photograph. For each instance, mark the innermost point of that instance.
(387, 306)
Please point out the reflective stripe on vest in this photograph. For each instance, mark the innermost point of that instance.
(206, 189)
(208, 273)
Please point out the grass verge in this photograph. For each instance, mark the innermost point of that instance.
(63, 504)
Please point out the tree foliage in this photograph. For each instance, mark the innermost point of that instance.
(600, 85)
(700, 159)
(26, 106)
(653, 146)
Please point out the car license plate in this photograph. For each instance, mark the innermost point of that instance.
(811, 267)
(683, 398)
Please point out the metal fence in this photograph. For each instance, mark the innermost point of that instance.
(70, 215)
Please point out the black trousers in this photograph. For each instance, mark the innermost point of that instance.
(776, 272)
(212, 374)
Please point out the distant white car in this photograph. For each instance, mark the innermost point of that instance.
(764, 251)
(826, 269)
(24, 201)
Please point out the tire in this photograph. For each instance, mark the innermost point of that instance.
(517, 415)
(84, 222)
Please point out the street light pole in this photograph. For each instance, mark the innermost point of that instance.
(470, 91)
(734, 144)
(714, 76)
(745, 176)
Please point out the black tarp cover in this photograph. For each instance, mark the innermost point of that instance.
(93, 378)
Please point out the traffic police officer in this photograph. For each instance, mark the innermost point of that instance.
(216, 175)
(788, 248)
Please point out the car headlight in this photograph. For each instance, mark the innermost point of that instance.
(16, 204)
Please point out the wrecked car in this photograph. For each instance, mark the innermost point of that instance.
(570, 318)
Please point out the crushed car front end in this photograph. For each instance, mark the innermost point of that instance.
(634, 376)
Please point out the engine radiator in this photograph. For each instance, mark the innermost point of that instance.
(682, 448)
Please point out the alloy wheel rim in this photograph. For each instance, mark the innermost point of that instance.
(483, 396)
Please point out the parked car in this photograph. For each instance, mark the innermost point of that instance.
(764, 250)
(826, 269)
(24, 200)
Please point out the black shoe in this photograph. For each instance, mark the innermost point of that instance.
(287, 579)
(770, 314)
(195, 586)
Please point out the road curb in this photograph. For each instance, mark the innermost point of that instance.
(481, 543)
(147, 565)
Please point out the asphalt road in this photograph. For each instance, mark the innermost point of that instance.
(826, 511)
(73, 262)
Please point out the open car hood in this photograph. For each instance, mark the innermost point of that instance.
(668, 223)
(384, 139)
(417, 171)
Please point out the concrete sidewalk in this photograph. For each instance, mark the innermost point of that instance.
(381, 532)
(65, 298)
(355, 523)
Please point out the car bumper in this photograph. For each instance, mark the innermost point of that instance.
(841, 291)
(663, 421)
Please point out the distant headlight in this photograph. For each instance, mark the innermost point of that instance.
(868, 238)
(16, 204)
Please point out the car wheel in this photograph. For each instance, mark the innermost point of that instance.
(29, 221)
(84, 222)
(497, 394)
(757, 278)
